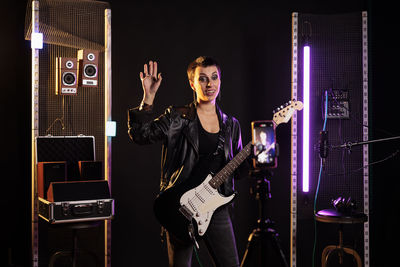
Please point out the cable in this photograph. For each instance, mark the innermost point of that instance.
(61, 120)
(318, 184)
(326, 110)
(356, 117)
(315, 211)
(197, 256)
(321, 161)
(392, 155)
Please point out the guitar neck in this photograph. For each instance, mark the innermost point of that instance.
(282, 116)
(229, 168)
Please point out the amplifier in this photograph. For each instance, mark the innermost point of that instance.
(76, 211)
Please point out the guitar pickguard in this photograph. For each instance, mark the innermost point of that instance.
(202, 201)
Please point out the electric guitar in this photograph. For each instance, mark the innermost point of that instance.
(185, 210)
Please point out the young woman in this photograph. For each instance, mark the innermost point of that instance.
(197, 139)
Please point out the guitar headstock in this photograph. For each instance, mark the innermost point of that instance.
(283, 113)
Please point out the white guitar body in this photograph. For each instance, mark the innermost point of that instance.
(202, 201)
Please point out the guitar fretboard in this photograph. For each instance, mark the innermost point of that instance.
(283, 115)
(229, 168)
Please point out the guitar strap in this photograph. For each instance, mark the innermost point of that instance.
(221, 138)
(221, 141)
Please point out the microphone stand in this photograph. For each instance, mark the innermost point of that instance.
(349, 145)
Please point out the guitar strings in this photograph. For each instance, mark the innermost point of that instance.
(228, 169)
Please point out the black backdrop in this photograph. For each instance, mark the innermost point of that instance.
(252, 42)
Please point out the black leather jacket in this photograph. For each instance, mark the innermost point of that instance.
(178, 131)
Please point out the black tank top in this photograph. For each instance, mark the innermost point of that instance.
(208, 142)
(210, 157)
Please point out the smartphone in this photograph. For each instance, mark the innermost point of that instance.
(264, 144)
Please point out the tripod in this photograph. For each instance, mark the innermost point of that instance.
(264, 233)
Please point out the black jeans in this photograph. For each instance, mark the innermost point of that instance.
(219, 240)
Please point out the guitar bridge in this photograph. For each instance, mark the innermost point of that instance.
(186, 212)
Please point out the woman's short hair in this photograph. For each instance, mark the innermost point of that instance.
(202, 61)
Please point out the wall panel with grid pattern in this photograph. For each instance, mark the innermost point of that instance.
(67, 27)
(338, 70)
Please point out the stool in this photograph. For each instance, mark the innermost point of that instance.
(335, 216)
(75, 250)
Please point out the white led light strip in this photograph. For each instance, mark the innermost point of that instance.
(365, 133)
(293, 206)
(34, 134)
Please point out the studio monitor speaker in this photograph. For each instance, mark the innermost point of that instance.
(88, 67)
(91, 170)
(49, 172)
(66, 76)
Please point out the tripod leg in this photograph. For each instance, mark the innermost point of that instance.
(249, 248)
(276, 244)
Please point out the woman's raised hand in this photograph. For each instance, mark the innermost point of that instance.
(150, 81)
